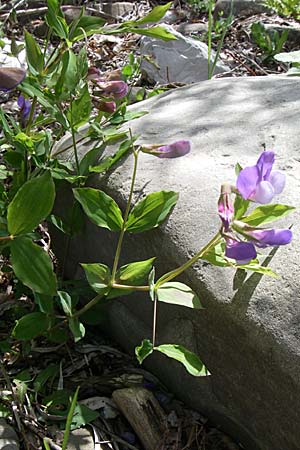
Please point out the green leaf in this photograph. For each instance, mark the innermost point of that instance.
(110, 161)
(100, 208)
(46, 374)
(65, 301)
(178, 294)
(240, 206)
(254, 266)
(144, 350)
(80, 109)
(190, 361)
(98, 276)
(267, 213)
(56, 20)
(157, 32)
(82, 416)
(89, 159)
(77, 328)
(31, 204)
(133, 274)
(151, 211)
(69, 78)
(31, 325)
(34, 55)
(45, 302)
(33, 266)
(89, 24)
(69, 419)
(155, 15)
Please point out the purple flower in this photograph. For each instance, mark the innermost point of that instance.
(25, 107)
(10, 77)
(264, 238)
(242, 252)
(225, 206)
(114, 89)
(260, 183)
(175, 150)
(109, 107)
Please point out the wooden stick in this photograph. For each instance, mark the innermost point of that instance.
(144, 414)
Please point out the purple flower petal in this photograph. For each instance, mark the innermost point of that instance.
(277, 179)
(10, 77)
(264, 192)
(264, 165)
(225, 207)
(247, 181)
(109, 107)
(175, 150)
(242, 252)
(114, 89)
(25, 107)
(271, 237)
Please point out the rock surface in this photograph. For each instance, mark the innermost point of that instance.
(8, 437)
(183, 60)
(240, 7)
(248, 335)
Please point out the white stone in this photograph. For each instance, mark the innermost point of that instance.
(7, 60)
(183, 60)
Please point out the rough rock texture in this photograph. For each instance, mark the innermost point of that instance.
(240, 7)
(11, 61)
(249, 333)
(183, 60)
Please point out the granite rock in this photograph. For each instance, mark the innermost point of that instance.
(248, 335)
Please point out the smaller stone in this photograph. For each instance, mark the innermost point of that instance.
(183, 60)
(239, 8)
(117, 9)
(8, 437)
(81, 439)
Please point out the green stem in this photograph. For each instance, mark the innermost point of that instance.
(121, 236)
(28, 126)
(174, 273)
(209, 37)
(88, 306)
(74, 138)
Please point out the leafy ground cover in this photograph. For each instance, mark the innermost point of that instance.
(37, 392)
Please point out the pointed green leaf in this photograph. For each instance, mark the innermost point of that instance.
(108, 162)
(157, 32)
(100, 208)
(144, 350)
(190, 361)
(77, 328)
(155, 15)
(80, 109)
(86, 25)
(33, 53)
(31, 325)
(267, 213)
(133, 274)
(33, 266)
(240, 206)
(31, 204)
(65, 301)
(98, 276)
(151, 211)
(56, 20)
(254, 266)
(45, 302)
(178, 294)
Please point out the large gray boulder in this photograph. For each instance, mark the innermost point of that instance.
(249, 332)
